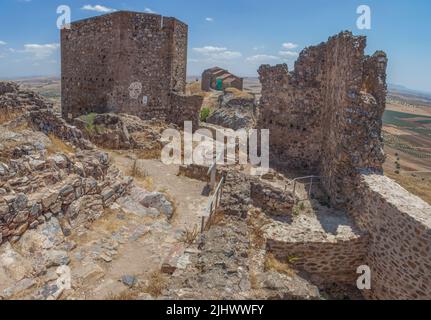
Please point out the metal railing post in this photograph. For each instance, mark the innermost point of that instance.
(311, 186)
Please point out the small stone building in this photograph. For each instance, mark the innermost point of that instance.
(126, 62)
(219, 79)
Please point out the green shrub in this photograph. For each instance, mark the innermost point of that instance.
(205, 113)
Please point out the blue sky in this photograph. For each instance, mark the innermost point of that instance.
(236, 34)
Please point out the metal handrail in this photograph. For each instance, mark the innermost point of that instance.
(212, 204)
(295, 181)
(216, 197)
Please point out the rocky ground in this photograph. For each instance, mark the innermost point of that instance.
(79, 222)
(235, 110)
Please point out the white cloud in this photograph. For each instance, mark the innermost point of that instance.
(97, 8)
(289, 45)
(209, 49)
(257, 48)
(260, 58)
(226, 55)
(209, 19)
(288, 54)
(148, 10)
(41, 51)
(217, 53)
(2, 43)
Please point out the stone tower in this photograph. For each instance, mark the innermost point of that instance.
(123, 62)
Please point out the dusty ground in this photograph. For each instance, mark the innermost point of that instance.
(150, 239)
(120, 255)
(184, 192)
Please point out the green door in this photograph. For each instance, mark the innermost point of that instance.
(219, 84)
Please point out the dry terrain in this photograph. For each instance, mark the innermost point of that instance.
(407, 129)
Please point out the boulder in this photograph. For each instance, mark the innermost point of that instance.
(19, 287)
(13, 264)
(158, 201)
(4, 169)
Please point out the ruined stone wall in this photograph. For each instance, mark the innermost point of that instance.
(325, 116)
(103, 56)
(49, 123)
(185, 108)
(42, 177)
(399, 225)
(206, 80)
(293, 117)
(273, 201)
(328, 261)
(179, 51)
(36, 186)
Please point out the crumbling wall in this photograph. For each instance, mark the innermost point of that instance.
(293, 117)
(103, 56)
(179, 55)
(399, 225)
(41, 178)
(185, 108)
(14, 99)
(36, 187)
(273, 201)
(49, 123)
(325, 116)
(328, 261)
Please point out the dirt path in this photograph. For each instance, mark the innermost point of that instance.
(140, 243)
(186, 193)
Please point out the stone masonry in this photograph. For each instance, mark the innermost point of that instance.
(325, 116)
(39, 180)
(124, 62)
(399, 223)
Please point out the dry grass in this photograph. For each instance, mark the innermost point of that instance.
(6, 116)
(58, 145)
(141, 175)
(273, 264)
(109, 221)
(136, 171)
(253, 280)
(149, 154)
(123, 296)
(148, 184)
(256, 222)
(194, 88)
(190, 236)
(416, 185)
(217, 219)
(156, 284)
(239, 94)
(299, 208)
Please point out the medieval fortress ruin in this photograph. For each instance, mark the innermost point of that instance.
(96, 79)
(326, 117)
(325, 121)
